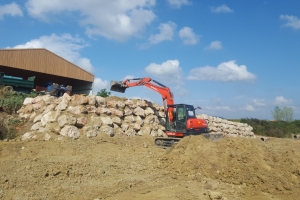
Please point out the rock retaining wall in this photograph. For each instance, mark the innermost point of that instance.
(76, 116)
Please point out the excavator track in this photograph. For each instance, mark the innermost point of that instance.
(166, 142)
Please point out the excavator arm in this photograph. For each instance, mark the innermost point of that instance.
(164, 91)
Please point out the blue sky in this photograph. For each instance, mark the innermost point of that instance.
(235, 59)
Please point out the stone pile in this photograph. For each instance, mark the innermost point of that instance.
(227, 128)
(76, 116)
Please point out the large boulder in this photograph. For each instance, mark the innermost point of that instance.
(70, 131)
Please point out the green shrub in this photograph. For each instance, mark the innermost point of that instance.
(12, 101)
(103, 93)
(281, 129)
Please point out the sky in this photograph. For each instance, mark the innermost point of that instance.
(234, 59)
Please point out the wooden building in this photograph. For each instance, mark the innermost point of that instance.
(46, 67)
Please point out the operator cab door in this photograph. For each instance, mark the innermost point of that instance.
(180, 118)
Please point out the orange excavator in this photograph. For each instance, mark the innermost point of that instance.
(180, 118)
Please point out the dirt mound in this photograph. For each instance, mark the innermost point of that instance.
(133, 168)
(272, 167)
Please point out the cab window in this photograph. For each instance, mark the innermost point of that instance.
(180, 113)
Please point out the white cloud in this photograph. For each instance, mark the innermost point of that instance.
(188, 36)
(65, 46)
(128, 77)
(221, 9)
(280, 100)
(226, 71)
(99, 84)
(168, 71)
(259, 102)
(248, 108)
(292, 21)
(12, 9)
(179, 3)
(166, 33)
(215, 45)
(112, 19)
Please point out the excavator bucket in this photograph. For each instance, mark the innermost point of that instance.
(117, 86)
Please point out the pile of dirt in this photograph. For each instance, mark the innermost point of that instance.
(272, 167)
(123, 167)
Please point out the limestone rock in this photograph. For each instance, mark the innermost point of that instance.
(91, 109)
(49, 108)
(127, 111)
(135, 126)
(150, 119)
(130, 104)
(103, 110)
(40, 105)
(149, 111)
(116, 120)
(62, 105)
(129, 119)
(108, 130)
(37, 118)
(28, 135)
(77, 110)
(116, 112)
(100, 101)
(52, 128)
(27, 101)
(145, 130)
(139, 120)
(36, 126)
(111, 104)
(130, 132)
(124, 127)
(95, 121)
(49, 99)
(79, 100)
(120, 104)
(91, 100)
(91, 131)
(70, 131)
(66, 120)
(49, 117)
(106, 120)
(27, 109)
(139, 112)
(81, 122)
(141, 103)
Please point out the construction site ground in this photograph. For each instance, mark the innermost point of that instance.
(128, 168)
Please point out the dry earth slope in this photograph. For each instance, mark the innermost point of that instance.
(132, 167)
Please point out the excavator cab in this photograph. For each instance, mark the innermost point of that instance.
(181, 121)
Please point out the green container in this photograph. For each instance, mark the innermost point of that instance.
(17, 81)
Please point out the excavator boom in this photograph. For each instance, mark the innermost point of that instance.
(165, 92)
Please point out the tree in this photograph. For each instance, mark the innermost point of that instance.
(277, 114)
(286, 114)
(103, 93)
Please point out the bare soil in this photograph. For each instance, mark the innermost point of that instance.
(123, 167)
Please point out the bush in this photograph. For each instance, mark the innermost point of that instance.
(12, 101)
(281, 129)
(103, 93)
